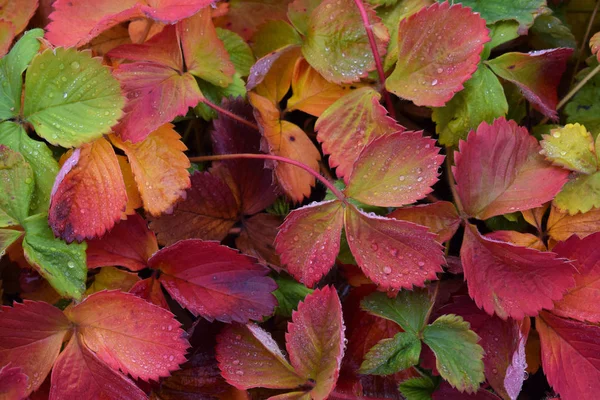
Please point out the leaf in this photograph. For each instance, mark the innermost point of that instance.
(207, 58)
(512, 281)
(447, 392)
(8, 237)
(150, 290)
(550, 32)
(257, 238)
(215, 281)
(159, 167)
(239, 51)
(17, 186)
(79, 373)
(481, 100)
(89, 194)
(134, 201)
(108, 322)
(70, 97)
(129, 244)
(31, 334)
(273, 35)
(111, 278)
(495, 167)
(267, 367)
(436, 55)
(522, 11)
(308, 241)
(409, 308)
(458, 356)
(580, 194)
(395, 170)
(61, 264)
(282, 138)
(565, 344)
(571, 147)
(440, 217)
(311, 93)
(299, 12)
(271, 75)
(562, 225)
(349, 125)
(93, 18)
(393, 254)
(581, 301)
(501, 32)
(289, 293)
(39, 157)
(156, 85)
(12, 67)
(244, 16)
(18, 14)
(518, 239)
(417, 388)
(13, 383)
(392, 355)
(537, 74)
(348, 60)
(315, 340)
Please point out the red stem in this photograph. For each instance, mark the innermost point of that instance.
(378, 63)
(298, 164)
(230, 114)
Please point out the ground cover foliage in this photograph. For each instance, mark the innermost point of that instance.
(271, 199)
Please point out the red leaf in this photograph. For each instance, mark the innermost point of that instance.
(495, 169)
(537, 74)
(440, 217)
(315, 340)
(447, 392)
(257, 238)
(395, 170)
(13, 383)
(249, 357)
(89, 194)
(157, 87)
(208, 212)
(518, 239)
(130, 334)
(95, 17)
(349, 125)
(31, 335)
(581, 302)
(215, 281)
(438, 50)
(81, 374)
(129, 244)
(308, 241)
(393, 254)
(14, 17)
(151, 291)
(243, 17)
(512, 281)
(570, 356)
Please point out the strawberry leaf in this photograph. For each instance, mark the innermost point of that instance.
(70, 97)
(289, 293)
(244, 17)
(16, 176)
(271, 76)
(571, 147)
(151, 291)
(310, 256)
(395, 170)
(512, 281)
(489, 184)
(523, 11)
(579, 194)
(31, 335)
(111, 278)
(13, 383)
(349, 125)
(392, 355)
(299, 12)
(409, 309)
(440, 217)
(458, 356)
(258, 236)
(89, 194)
(417, 388)
(108, 323)
(447, 392)
(393, 254)
(17, 16)
(537, 74)
(342, 61)
(436, 53)
(273, 35)
(8, 237)
(561, 226)
(215, 281)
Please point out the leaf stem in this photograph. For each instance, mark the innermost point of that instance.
(230, 114)
(584, 40)
(365, 19)
(451, 181)
(298, 164)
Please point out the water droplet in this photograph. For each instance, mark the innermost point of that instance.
(236, 362)
(374, 246)
(75, 65)
(440, 70)
(65, 95)
(71, 264)
(171, 358)
(434, 82)
(556, 134)
(420, 263)
(296, 238)
(401, 178)
(387, 270)
(28, 181)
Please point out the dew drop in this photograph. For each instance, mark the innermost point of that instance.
(420, 263)
(440, 70)
(75, 65)
(236, 362)
(387, 270)
(374, 246)
(556, 134)
(401, 178)
(434, 82)
(296, 238)
(239, 372)
(71, 264)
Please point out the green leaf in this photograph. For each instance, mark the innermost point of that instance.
(299, 13)
(239, 52)
(62, 265)
(8, 237)
(408, 309)
(523, 11)
(459, 358)
(481, 100)
(16, 183)
(11, 71)
(273, 35)
(70, 97)
(38, 155)
(584, 107)
(215, 94)
(571, 147)
(500, 33)
(392, 355)
(289, 293)
(549, 32)
(418, 388)
(580, 194)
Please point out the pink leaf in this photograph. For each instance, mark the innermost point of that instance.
(13, 383)
(440, 217)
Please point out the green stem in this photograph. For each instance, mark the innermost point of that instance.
(298, 164)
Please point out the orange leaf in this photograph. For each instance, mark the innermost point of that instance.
(518, 239)
(133, 194)
(89, 193)
(271, 76)
(159, 167)
(440, 217)
(562, 225)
